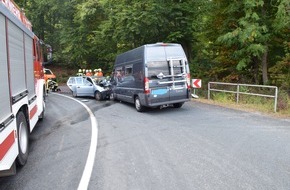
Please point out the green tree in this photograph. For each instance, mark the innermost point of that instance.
(254, 30)
(139, 22)
(237, 41)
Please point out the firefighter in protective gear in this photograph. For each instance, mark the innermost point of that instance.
(80, 72)
(89, 72)
(100, 73)
(96, 72)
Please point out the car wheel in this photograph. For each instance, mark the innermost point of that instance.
(138, 105)
(98, 95)
(74, 93)
(108, 97)
(23, 138)
(177, 105)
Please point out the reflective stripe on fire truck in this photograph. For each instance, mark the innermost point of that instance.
(7, 144)
(33, 112)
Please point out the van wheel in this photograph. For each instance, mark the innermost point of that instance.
(98, 95)
(138, 105)
(23, 139)
(111, 96)
(114, 95)
(177, 105)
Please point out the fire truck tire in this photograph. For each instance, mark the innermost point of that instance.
(23, 138)
(42, 113)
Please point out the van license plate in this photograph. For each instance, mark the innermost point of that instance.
(159, 91)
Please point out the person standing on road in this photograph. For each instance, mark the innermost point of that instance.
(80, 73)
(88, 73)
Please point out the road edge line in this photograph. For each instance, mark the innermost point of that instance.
(86, 176)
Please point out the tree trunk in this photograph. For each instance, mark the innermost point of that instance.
(265, 67)
(255, 70)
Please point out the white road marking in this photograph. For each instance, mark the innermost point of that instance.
(93, 147)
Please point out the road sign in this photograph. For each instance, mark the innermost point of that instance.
(196, 83)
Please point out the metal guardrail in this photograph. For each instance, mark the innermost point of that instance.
(238, 92)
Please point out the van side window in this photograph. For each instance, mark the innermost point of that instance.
(118, 74)
(128, 73)
(128, 70)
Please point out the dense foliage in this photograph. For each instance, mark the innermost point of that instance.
(234, 41)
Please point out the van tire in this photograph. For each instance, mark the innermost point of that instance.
(114, 96)
(23, 139)
(111, 97)
(178, 105)
(138, 105)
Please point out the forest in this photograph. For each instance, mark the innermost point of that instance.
(244, 41)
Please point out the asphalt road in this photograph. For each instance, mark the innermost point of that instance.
(198, 146)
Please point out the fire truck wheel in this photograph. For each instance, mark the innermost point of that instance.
(23, 138)
(42, 113)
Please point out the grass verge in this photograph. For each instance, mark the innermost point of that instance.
(250, 103)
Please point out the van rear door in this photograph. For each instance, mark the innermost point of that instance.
(168, 72)
(159, 89)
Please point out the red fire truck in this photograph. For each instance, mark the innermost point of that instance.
(22, 86)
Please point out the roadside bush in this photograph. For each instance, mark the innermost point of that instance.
(283, 100)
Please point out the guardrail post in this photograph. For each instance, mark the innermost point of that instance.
(208, 91)
(276, 99)
(238, 90)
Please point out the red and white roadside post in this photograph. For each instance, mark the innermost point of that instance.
(195, 83)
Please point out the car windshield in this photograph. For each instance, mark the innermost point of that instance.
(98, 80)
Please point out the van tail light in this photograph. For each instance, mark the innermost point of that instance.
(188, 80)
(146, 86)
